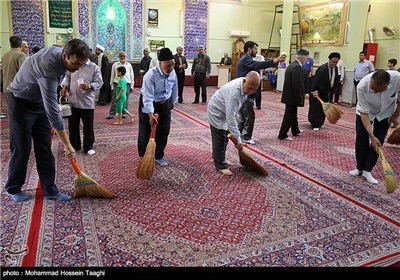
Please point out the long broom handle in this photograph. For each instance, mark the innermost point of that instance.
(75, 166)
(320, 100)
(233, 139)
(154, 127)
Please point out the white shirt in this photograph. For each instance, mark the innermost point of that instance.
(340, 67)
(153, 62)
(129, 76)
(223, 106)
(378, 105)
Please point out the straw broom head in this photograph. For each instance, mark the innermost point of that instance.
(146, 166)
(394, 137)
(86, 186)
(390, 176)
(247, 161)
(332, 113)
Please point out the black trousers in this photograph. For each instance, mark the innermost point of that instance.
(181, 83)
(28, 121)
(316, 115)
(366, 156)
(104, 94)
(289, 121)
(200, 82)
(335, 93)
(246, 119)
(87, 117)
(355, 87)
(258, 97)
(219, 140)
(164, 123)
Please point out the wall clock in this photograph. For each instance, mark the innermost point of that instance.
(153, 14)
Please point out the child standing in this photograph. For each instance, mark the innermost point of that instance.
(121, 96)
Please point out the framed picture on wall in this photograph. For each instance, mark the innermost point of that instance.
(152, 17)
(324, 23)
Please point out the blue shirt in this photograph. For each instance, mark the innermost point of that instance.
(158, 87)
(362, 69)
(38, 79)
(308, 65)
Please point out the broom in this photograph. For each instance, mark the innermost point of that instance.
(146, 166)
(394, 137)
(86, 186)
(332, 113)
(390, 177)
(247, 161)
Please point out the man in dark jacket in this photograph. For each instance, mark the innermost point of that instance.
(180, 66)
(246, 115)
(324, 82)
(293, 95)
(102, 62)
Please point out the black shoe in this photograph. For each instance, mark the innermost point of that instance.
(110, 117)
(203, 102)
(124, 116)
(195, 102)
(259, 108)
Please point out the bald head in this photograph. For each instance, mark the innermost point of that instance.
(122, 56)
(251, 82)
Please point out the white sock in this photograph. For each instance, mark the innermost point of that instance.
(367, 175)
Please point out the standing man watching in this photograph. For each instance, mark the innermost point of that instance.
(201, 70)
(377, 108)
(33, 108)
(102, 62)
(246, 115)
(180, 66)
(11, 63)
(362, 69)
(114, 79)
(293, 95)
(159, 93)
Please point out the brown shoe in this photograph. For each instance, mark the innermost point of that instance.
(226, 172)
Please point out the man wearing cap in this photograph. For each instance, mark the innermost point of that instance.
(102, 62)
(293, 95)
(130, 81)
(158, 95)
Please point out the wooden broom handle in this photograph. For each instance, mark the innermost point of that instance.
(320, 100)
(75, 166)
(154, 127)
(233, 139)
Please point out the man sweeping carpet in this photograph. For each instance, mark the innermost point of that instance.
(222, 108)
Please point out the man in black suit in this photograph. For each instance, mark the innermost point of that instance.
(226, 59)
(102, 62)
(325, 80)
(180, 66)
(293, 95)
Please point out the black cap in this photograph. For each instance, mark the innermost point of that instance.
(165, 54)
(302, 52)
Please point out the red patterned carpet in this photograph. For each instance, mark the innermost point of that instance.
(307, 212)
